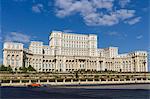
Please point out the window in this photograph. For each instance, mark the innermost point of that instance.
(8, 57)
(12, 60)
(17, 60)
(17, 57)
(45, 65)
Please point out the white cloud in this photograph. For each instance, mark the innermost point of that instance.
(123, 3)
(117, 35)
(92, 11)
(68, 7)
(139, 37)
(17, 37)
(38, 8)
(133, 21)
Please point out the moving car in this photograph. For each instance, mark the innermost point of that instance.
(34, 85)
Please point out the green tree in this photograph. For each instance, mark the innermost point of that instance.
(23, 69)
(9, 68)
(16, 69)
(30, 68)
(3, 68)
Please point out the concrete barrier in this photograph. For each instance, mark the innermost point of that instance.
(76, 82)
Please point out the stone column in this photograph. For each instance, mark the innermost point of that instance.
(93, 80)
(124, 80)
(85, 64)
(55, 80)
(86, 80)
(130, 79)
(103, 65)
(145, 65)
(78, 67)
(135, 79)
(30, 81)
(100, 80)
(112, 79)
(64, 64)
(10, 82)
(98, 65)
(79, 81)
(64, 80)
(106, 80)
(56, 64)
(38, 81)
(47, 81)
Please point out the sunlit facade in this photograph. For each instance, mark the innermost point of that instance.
(71, 52)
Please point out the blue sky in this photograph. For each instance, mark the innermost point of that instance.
(122, 23)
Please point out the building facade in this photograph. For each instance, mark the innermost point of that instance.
(71, 52)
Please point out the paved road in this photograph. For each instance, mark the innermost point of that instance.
(89, 92)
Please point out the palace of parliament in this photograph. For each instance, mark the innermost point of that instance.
(71, 52)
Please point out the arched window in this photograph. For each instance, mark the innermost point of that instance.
(12, 59)
(17, 57)
(17, 60)
(8, 57)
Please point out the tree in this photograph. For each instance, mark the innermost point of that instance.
(9, 68)
(16, 69)
(3, 68)
(30, 68)
(23, 69)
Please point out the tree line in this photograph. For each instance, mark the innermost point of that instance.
(20, 69)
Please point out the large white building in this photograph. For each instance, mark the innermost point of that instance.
(72, 52)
